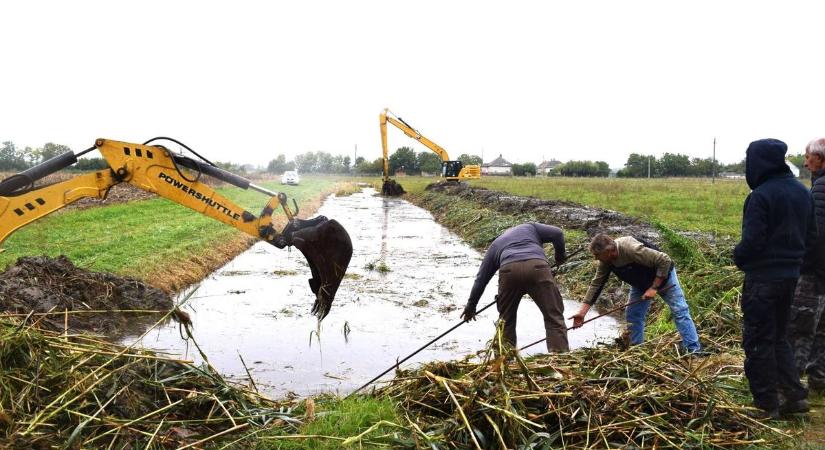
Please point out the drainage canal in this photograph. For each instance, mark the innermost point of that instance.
(407, 283)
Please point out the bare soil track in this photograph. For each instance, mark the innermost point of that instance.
(557, 212)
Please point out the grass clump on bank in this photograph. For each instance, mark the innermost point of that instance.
(360, 422)
(76, 391)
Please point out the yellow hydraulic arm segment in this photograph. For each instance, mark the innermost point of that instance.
(153, 168)
(450, 169)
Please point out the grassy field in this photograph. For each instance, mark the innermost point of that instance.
(146, 239)
(688, 204)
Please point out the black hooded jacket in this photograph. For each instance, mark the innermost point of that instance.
(814, 262)
(778, 220)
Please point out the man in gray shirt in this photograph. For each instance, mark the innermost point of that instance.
(518, 256)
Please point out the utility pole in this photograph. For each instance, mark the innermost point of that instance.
(713, 169)
(648, 165)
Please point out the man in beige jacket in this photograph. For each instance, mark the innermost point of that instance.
(649, 272)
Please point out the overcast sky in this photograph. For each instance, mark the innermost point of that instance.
(242, 81)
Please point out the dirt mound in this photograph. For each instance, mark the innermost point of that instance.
(119, 193)
(561, 213)
(42, 284)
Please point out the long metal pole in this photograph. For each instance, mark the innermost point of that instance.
(397, 364)
(602, 315)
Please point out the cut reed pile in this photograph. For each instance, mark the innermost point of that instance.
(75, 391)
(648, 396)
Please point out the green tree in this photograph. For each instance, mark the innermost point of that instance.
(277, 165)
(429, 162)
(470, 160)
(738, 167)
(306, 162)
(12, 159)
(370, 167)
(701, 167)
(521, 170)
(326, 163)
(50, 150)
(674, 165)
(404, 157)
(637, 166)
(584, 169)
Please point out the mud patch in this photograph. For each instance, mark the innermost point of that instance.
(54, 285)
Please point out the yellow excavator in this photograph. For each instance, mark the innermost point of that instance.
(152, 167)
(451, 170)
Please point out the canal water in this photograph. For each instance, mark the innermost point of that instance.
(408, 281)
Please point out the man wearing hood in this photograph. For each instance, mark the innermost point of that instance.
(777, 223)
(806, 329)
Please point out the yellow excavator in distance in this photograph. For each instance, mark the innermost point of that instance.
(324, 242)
(451, 170)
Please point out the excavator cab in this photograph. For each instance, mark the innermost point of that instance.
(324, 242)
(451, 169)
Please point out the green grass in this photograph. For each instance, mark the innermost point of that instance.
(680, 203)
(140, 237)
(338, 419)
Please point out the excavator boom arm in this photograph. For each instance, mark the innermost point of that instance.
(413, 133)
(324, 243)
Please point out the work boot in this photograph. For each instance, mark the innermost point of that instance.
(764, 414)
(794, 407)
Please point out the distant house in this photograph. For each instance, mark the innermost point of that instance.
(732, 175)
(793, 168)
(547, 166)
(498, 166)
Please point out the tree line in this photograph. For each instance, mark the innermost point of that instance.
(675, 165)
(15, 159)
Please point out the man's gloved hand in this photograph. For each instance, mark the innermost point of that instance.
(469, 313)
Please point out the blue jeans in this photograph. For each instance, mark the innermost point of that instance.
(673, 295)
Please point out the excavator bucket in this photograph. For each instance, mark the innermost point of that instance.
(327, 247)
(392, 188)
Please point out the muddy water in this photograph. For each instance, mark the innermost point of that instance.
(407, 283)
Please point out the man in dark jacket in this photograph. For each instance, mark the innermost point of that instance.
(777, 224)
(806, 330)
(518, 256)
